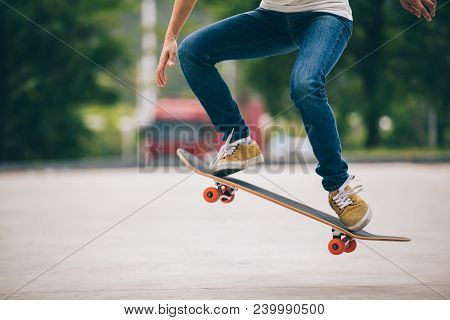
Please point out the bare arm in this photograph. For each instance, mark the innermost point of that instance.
(181, 11)
(417, 8)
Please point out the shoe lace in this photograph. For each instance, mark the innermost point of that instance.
(342, 198)
(227, 149)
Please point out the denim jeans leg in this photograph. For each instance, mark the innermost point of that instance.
(321, 43)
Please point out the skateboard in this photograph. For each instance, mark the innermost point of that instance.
(343, 240)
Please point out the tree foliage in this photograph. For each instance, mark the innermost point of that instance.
(44, 76)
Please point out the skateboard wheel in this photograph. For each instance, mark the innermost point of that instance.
(211, 194)
(336, 246)
(227, 199)
(351, 246)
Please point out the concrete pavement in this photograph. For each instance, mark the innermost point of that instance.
(173, 245)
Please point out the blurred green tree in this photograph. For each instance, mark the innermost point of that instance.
(368, 37)
(43, 80)
(419, 64)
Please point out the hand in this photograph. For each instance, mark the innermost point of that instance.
(417, 8)
(168, 57)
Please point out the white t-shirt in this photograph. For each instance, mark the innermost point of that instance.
(338, 7)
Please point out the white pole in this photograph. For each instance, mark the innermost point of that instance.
(147, 98)
(432, 128)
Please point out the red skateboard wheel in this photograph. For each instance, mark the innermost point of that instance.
(336, 246)
(211, 194)
(351, 246)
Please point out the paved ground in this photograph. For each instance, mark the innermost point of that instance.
(174, 245)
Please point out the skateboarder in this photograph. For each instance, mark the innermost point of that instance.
(320, 31)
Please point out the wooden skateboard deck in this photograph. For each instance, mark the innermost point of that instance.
(201, 168)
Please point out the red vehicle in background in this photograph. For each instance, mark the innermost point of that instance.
(183, 123)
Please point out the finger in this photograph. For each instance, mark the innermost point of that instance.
(158, 77)
(431, 7)
(411, 10)
(162, 69)
(418, 5)
(416, 12)
(161, 79)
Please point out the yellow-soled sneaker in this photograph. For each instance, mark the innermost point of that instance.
(236, 156)
(353, 211)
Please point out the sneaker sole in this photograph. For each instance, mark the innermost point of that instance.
(238, 166)
(363, 222)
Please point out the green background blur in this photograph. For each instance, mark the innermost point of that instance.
(56, 104)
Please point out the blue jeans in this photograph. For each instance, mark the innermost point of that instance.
(320, 38)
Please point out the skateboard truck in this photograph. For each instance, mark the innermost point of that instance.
(221, 192)
(341, 243)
